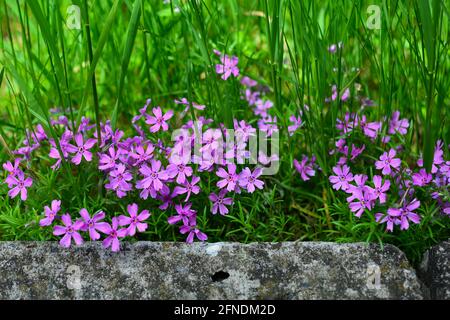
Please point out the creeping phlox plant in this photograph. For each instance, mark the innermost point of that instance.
(147, 165)
(151, 164)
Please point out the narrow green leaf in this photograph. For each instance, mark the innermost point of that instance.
(107, 28)
(128, 48)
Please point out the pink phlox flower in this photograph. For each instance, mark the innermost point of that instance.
(141, 155)
(249, 180)
(360, 187)
(135, 220)
(50, 213)
(388, 162)
(183, 214)
(93, 224)
(350, 121)
(268, 125)
(261, 107)
(188, 188)
(406, 214)
(227, 67)
(229, 179)
(191, 228)
(12, 169)
(421, 178)
(379, 189)
(265, 160)
(398, 125)
(296, 123)
(108, 161)
(19, 184)
(119, 178)
(153, 176)
(304, 168)
(220, 202)
(248, 82)
(158, 121)
(114, 233)
(364, 200)
(251, 96)
(69, 230)
(342, 178)
(211, 140)
(81, 149)
(179, 170)
(142, 112)
(370, 129)
(357, 151)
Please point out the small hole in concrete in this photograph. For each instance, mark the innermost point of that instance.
(220, 276)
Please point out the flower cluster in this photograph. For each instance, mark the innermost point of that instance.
(70, 230)
(140, 165)
(394, 177)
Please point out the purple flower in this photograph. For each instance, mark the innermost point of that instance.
(229, 179)
(268, 125)
(350, 121)
(82, 149)
(227, 67)
(304, 168)
(243, 130)
(158, 121)
(248, 82)
(406, 214)
(251, 96)
(12, 169)
(135, 220)
(261, 107)
(142, 111)
(346, 94)
(211, 140)
(220, 202)
(183, 214)
(191, 227)
(109, 161)
(118, 181)
(69, 230)
(356, 151)
(50, 213)
(342, 178)
(179, 170)
(355, 191)
(370, 129)
(296, 123)
(142, 155)
(379, 189)
(397, 125)
(188, 187)
(249, 180)
(93, 224)
(19, 184)
(421, 178)
(388, 219)
(387, 161)
(363, 201)
(113, 235)
(153, 176)
(185, 102)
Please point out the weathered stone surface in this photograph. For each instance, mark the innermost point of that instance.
(435, 271)
(146, 270)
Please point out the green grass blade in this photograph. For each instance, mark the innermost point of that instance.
(128, 48)
(104, 35)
